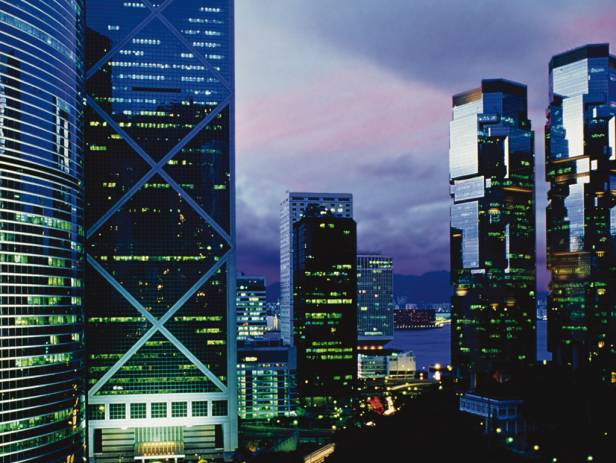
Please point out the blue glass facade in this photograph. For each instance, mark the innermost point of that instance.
(492, 231)
(42, 415)
(581, 212)
(375, 300)
(160, 228)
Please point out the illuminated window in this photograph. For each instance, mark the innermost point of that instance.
(117, 411)
(199, 408)
(159, 410)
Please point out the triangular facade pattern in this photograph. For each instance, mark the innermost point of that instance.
(160, 204)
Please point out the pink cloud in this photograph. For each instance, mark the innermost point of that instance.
(577, 30)
(342, 110)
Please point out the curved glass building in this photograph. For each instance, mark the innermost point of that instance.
(41, 209)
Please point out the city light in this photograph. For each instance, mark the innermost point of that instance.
(377, 320)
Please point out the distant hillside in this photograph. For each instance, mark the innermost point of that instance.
(431, 287)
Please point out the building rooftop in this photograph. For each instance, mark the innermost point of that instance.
(593, 50)
(319, 195)
(490, 86)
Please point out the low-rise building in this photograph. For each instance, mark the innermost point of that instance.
(387, 364)
(266, 380)
(501, 415)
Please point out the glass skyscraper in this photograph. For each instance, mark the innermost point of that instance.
(375, 299)
(250, 308)
(160, 221)
(292, 209)
(42, 411)
(581, 213)
(492, 231)
(325, 301)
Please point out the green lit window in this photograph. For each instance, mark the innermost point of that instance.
(159, 410)
(96, 412)
(219, 408)
(199, 408)
(137, 411)
(179, 409)
(117, 411)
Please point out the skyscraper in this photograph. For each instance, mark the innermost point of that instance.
(161, 229)
(42, 412)
(375, 299)
(250, 308)
(325, 323)
(292, 209)
(581, 213)
(492, 231)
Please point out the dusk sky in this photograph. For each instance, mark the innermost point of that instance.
(355, 96)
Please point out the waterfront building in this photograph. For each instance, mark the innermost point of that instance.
(375, 299)
(292, 209)
(372, 365)
(414, 318)
(501, 415)
(325, 322)
(401, 366)
(160, 217)
(581, 214)
(250, 308)
(387, 364)
(492, 231)
(42, 395)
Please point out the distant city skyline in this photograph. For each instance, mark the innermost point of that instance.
(358, 100)
(368, 280)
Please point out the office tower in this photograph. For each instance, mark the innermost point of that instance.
(266, 380)
(325, 323)
(292, 209)
(492, 232)
(250, 308)
(581, 213)
(161, 274)
(42, 412)
(375, 300)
